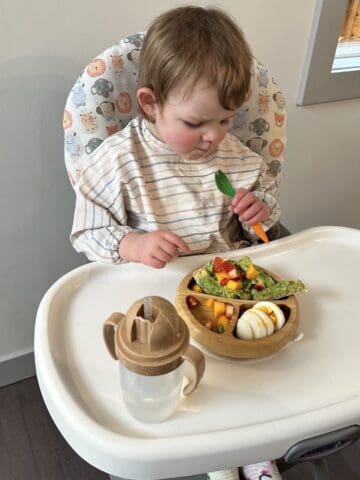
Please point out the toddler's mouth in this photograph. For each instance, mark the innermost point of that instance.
(208, 148)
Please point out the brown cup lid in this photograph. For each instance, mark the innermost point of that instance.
(151, 337)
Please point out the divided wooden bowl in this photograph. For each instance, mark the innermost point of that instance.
(226, 343)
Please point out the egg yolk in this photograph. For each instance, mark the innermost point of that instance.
(269, 313)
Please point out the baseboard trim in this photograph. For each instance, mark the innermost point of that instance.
(17, 368)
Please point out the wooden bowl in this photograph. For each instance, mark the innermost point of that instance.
(226, 343)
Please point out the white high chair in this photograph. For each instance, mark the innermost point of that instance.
(76, 377)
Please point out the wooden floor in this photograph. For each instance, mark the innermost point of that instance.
(32, 448)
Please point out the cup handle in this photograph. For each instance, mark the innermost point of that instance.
(197, 360)
(109, 328)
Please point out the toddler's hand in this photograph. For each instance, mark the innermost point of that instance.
(249, 207)
(155, 249)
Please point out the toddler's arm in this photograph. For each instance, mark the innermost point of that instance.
(100, 227)
(97, 230)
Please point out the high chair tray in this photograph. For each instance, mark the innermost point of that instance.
(244, 410)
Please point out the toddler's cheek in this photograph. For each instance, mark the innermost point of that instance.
(180, 141)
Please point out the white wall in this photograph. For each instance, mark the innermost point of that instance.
(43, 47)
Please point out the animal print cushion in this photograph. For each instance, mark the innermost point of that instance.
(103, 101)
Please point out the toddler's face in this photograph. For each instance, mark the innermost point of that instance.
(192, 123)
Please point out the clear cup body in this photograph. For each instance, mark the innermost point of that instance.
(151, 399)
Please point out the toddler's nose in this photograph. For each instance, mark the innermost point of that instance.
(214, 135)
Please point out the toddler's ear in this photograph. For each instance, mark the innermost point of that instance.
(147, 101)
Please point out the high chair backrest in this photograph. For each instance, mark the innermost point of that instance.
(103, 101)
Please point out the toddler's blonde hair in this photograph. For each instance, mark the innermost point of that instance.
(188, 43)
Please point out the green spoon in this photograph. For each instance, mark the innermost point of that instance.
(224, 186)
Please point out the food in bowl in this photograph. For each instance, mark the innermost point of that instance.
(259, 321)
(244, 280)
(213, 298)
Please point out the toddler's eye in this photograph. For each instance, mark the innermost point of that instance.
(192, 125)
(225, 122)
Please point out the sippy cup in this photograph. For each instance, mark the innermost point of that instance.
(151, 343)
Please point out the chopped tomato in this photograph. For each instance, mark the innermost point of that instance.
(191, 301)
(227, 266)
(217, 265)
(224, 281)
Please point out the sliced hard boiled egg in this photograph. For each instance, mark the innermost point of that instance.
(260, 321)
(243, 329)
(265, 319)
(257, 325)
(273, 311)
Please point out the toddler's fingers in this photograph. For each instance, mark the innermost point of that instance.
(244, 205)
(170, 248)
(258, 218)
(163, 254)
(239, 205)
(178, 241)
(155, 263)
(240, 194)
(251, 214)
(261, 216)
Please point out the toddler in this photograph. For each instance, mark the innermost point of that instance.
(148, 193)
